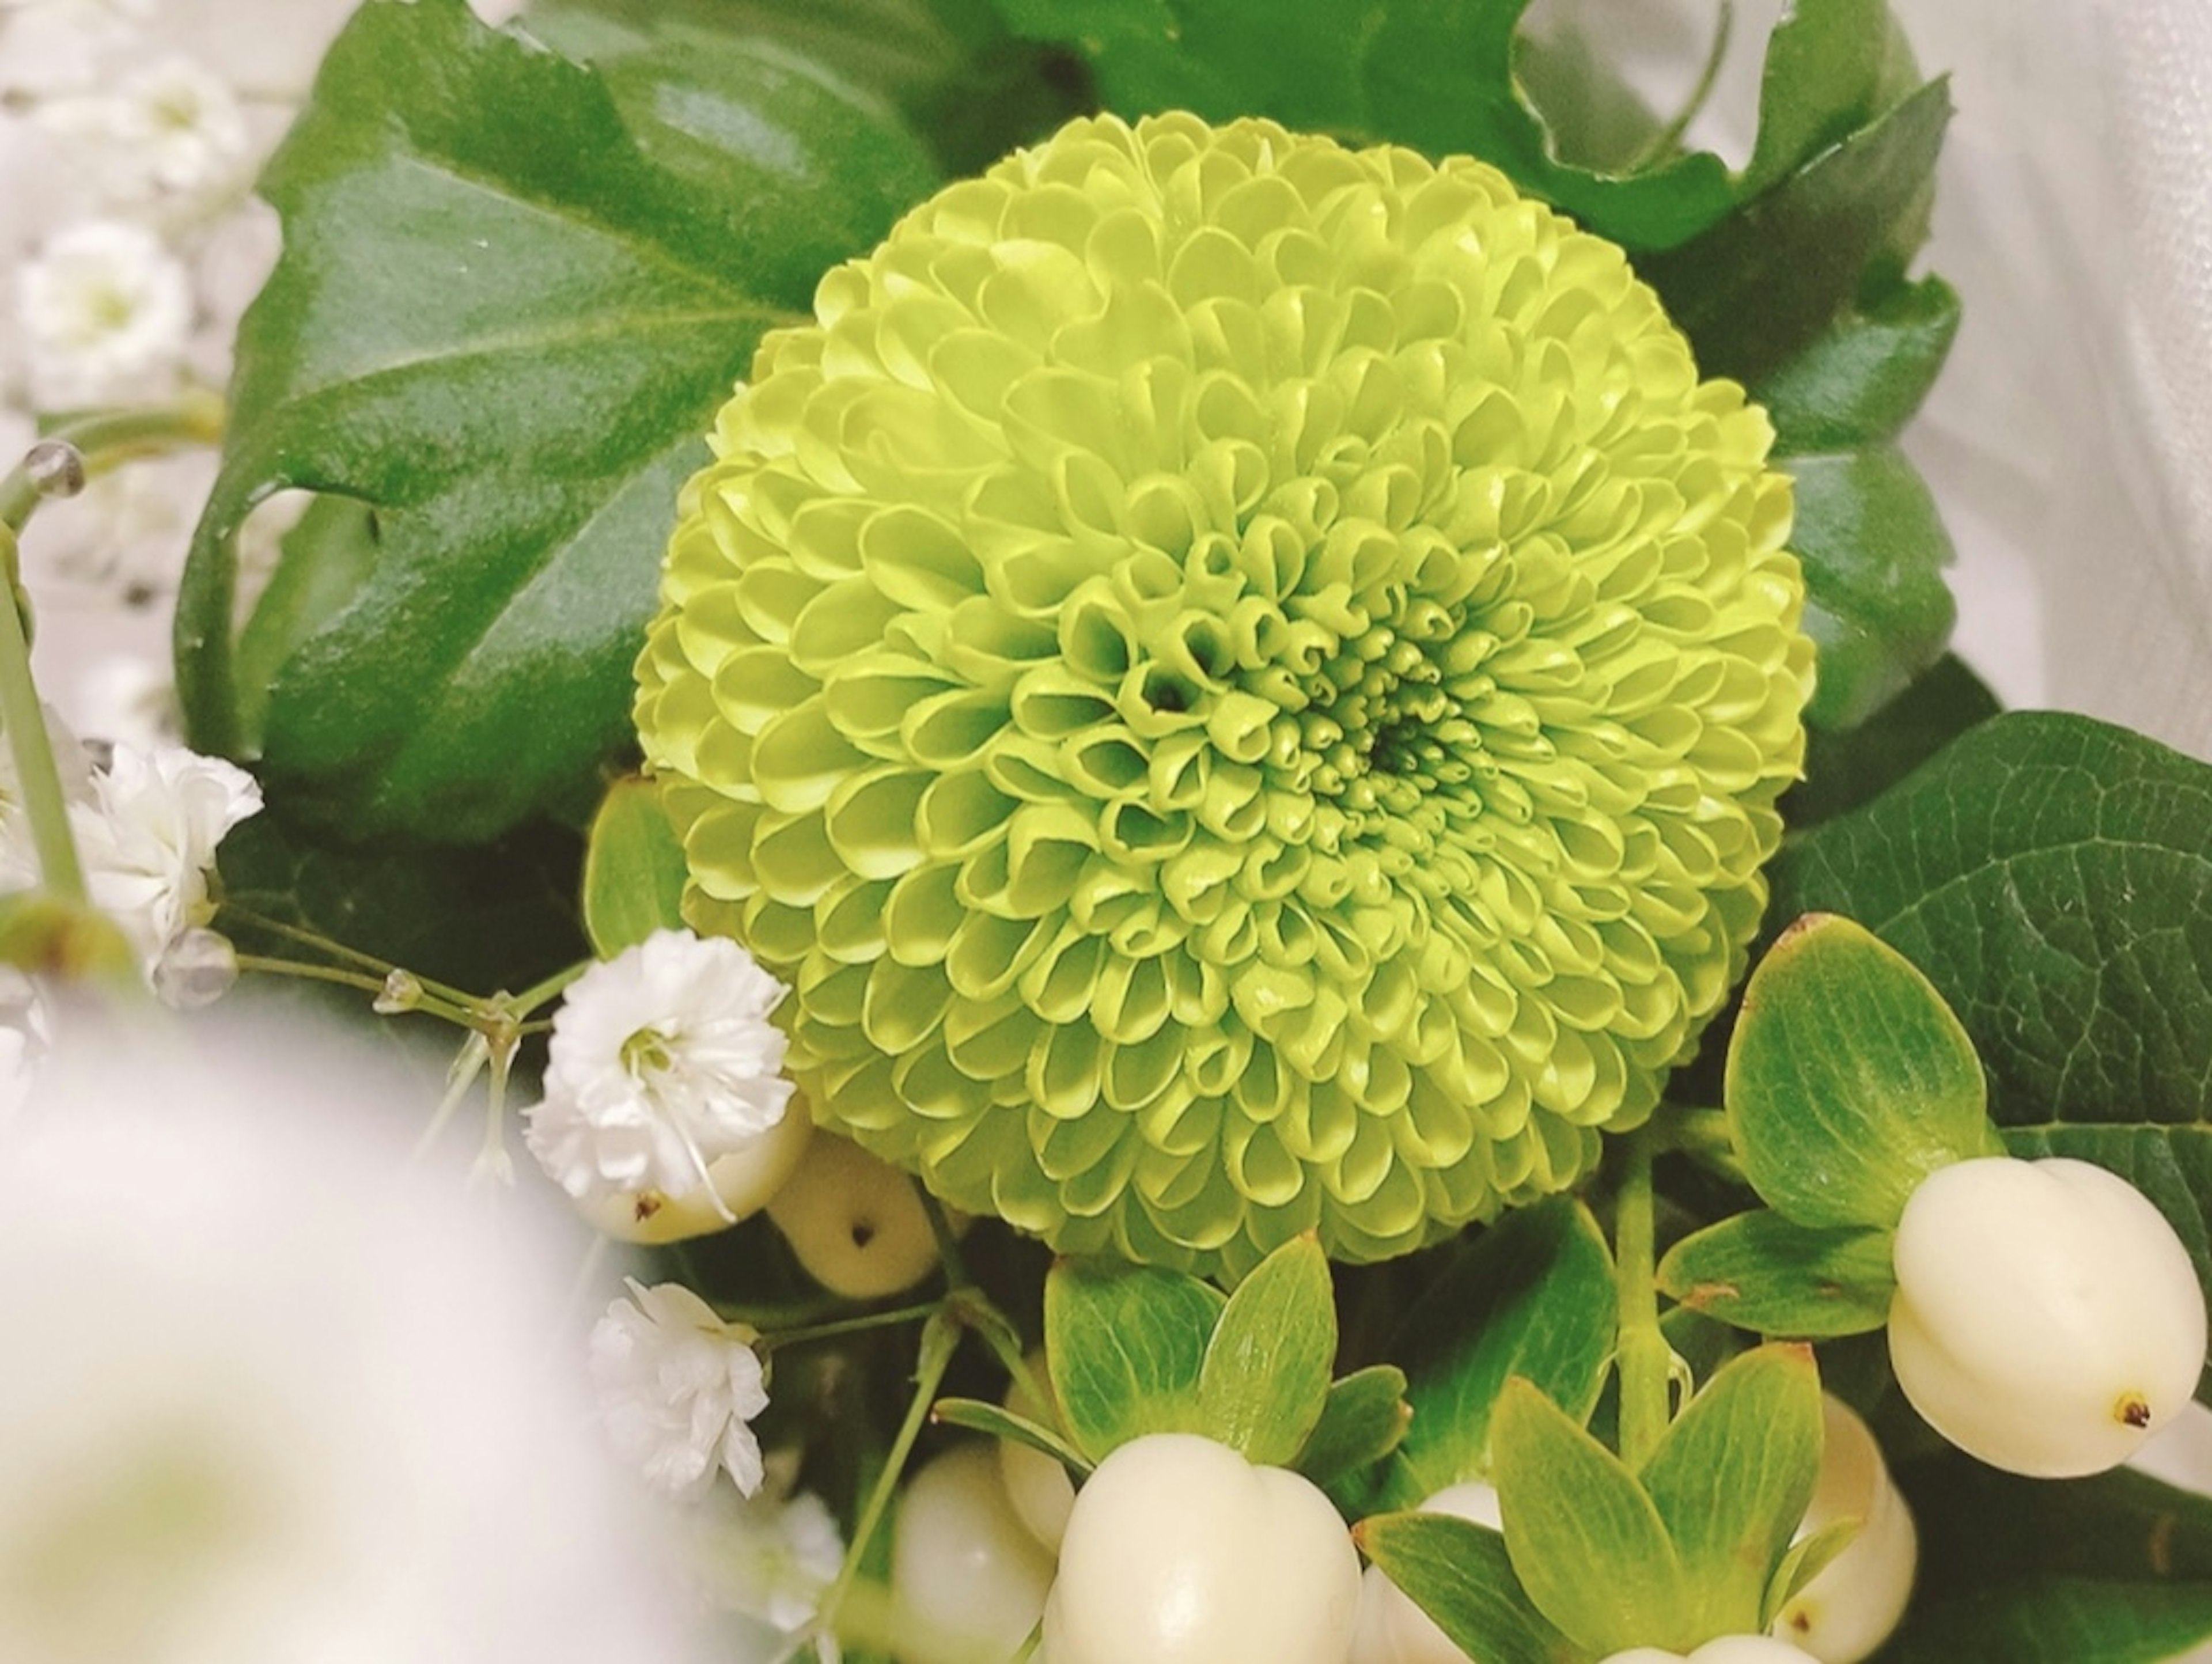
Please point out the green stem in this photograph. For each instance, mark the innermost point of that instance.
(1644, 1354)
(431, 1003)
(940, 1338)
(384, 968)
(542, 993)
(948, 1245)
(1664, 142)
(844, 1325)
(110, 437)
(46, 805)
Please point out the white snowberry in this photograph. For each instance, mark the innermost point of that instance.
(1038, 1486)
(1180, 1551)
(1850, 1608)
(2047, 1318)
(965, 1569)
(744, 1182)
(855, 1223)
(1729, 1649)
(1392, 1629)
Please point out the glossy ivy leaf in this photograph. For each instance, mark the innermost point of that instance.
(1764, 1272)
(1864, 377)
(500, 916)
(1586, 1540)
(1732, 1478)
(1460, 1574)
(2052, 877)
(509, 305)
(1126, 1345)
(1362, 1420)
(1531, 1296)
(965, 86)
(633, 869)
(1761, 286)
(1441, 76)
(1843, 771)
(1876, 606)
(1265, 1380)
(2057, 1621)
(1849, 1080)
(1002, 1424)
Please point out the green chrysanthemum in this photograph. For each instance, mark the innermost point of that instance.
(1243, 682)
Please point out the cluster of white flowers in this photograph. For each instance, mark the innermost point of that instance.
(662, 1062)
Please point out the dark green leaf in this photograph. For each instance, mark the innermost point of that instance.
(1264, 1379)
(1849, 1079)
(1861, 381)
(498, 917)
(1531, 1296)
(1732, 1478)
(1586, 1541)
(2052, 876)
(1458, 1572)
(1125, 1346)
(508, 308)
(1764, 1272)
(2057, 1621)
(1844, 770)
(1978, 1526)
(1363, 1421)
(1442, 75)
(979, 1417)
(633, 869)
(1761, 286)
(1876, 605)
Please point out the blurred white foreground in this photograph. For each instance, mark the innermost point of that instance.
(269, 1396)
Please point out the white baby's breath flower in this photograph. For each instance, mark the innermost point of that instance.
(281, 1396)
(677, 1388)
(169, 130)
(50, 44)
(149, 836)
(106, 311)
(662, 1061)
(766, 1558)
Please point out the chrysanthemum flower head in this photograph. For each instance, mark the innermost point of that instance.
(1243, 682)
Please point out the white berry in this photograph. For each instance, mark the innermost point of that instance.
(964, 1568)
(1729, 1649)
(1039, 1487)
(856, 1224)
(744, 1181)
(1848, 1611)
(1392, 1629)
(1180, 1551)
(2047, 1318)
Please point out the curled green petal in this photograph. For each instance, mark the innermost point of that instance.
(1242, 683)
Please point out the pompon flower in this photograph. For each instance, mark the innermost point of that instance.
(1243, 682)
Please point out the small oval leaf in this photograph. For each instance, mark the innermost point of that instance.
(1125, 1346)
(1764, 1272)
(1265, 1380)
(633, 869)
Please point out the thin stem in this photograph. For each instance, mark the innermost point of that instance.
(46, 805)
(431, 1003)
(475, 1053)
(1667, 138)
(940, 1338)
(845, 1325)
(1645, 1358)
(543, 993)
(384, 968)
(948, 1245)
(112, 437)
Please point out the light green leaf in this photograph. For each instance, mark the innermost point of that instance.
(1125, 1346)
(1764, 1273)
(1459, 1573)
(1266, 1377)
(1363, 1421)
(1732, 1478)
(2052, 876)
(1807, 1558)
(1849, 1080)
(1533, 1297)
(508, 308)
(1586, 1541)
(633, 869)
(979, 1417)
